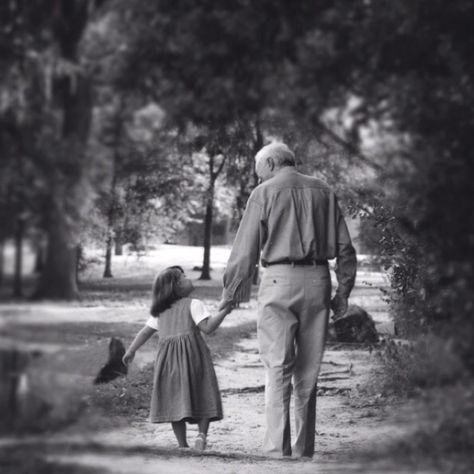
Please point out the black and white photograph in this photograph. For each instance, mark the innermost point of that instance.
(236, 236)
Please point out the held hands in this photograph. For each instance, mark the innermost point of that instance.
(339, 306)
(211, 323)
(128, 358)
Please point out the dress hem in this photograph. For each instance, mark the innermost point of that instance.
(188, 419)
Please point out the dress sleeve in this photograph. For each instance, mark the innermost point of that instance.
(199, 311)
(152, 323)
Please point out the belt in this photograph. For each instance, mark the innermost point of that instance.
(307, 261)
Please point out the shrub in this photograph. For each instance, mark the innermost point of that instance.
(430, 361)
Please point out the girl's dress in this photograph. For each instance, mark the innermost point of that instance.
(185, 384)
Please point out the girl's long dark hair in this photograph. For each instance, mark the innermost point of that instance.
(164, 292)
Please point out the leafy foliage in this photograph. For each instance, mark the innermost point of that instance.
(407, 69)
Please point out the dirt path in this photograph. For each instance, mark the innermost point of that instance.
(349, 425)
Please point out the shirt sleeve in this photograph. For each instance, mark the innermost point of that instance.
(245, 250)
(199, 311)
(152, 323)
(346, 260)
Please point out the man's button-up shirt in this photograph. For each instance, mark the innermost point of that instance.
(291, 217)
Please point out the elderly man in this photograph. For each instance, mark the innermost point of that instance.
(293, 223)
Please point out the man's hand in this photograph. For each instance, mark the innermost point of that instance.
(127, 358)
(225, 305)
(339, 306)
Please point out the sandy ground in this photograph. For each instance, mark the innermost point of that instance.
(347, 425)
(353, 432)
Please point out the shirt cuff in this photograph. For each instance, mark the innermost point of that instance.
(342, 292)
(228, 293)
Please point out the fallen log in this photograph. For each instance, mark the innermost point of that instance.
(334, 378)
(332, 372)
(322, 390)
(232, 391)
(331, 362)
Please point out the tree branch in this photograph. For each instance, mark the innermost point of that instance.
(219, 169)
(352, 148)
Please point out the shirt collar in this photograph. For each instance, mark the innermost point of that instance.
(285, 170)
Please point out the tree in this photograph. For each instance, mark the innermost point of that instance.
(47, 38)
(73, 90)
(408, 65)
(216, 158)
(208, 64)
(111, 135)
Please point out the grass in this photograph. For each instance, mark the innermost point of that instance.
(17, 461)
(124, 397)
(72, 333)
(133, 275)
(128, 397)
(121, 291)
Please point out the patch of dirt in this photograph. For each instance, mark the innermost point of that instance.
(353, 431)
(104, 441)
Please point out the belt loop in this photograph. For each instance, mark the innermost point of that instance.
(293, 264)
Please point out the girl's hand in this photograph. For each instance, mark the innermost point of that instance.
(225, 306)
(128, 358)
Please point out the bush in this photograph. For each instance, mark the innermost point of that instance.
(430, 361)
(445, 434)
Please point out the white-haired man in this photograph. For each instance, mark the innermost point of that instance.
(293, 223)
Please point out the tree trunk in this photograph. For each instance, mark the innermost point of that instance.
(108, 256)
(110, 236)
(39, 259)
(206, 264)
(213, 174)
(17, 278)
(257, 145)
(74, 94)
(59, 278)
(111, 214)
(2, 260)
(118, 248)
(79, 258)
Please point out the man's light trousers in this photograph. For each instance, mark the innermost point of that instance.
(293, 311)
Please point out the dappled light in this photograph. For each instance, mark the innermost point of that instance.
(134, 137)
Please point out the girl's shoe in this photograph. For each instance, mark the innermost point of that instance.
(201, 442)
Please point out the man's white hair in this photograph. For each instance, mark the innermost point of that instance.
(280, 152)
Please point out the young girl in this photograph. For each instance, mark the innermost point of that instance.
(185, 385)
